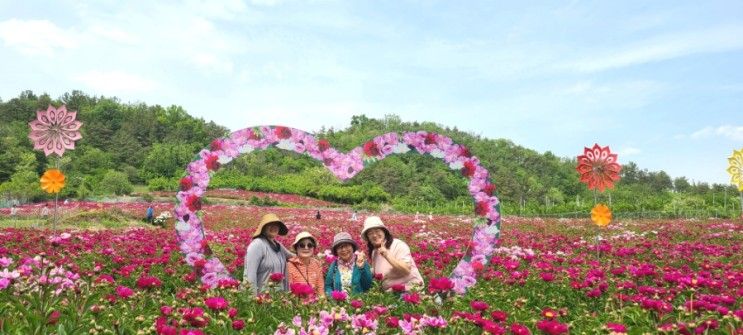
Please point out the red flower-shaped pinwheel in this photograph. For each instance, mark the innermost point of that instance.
(55, 130)
(598, 167)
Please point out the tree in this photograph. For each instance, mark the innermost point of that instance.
(681, 185)
(167, 160)
(115, 182)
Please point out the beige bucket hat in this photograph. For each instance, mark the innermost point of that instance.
(270, 218)
(302, 236)
(373, 222)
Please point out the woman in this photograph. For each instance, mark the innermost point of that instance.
(390, 257)
(305, 268)
(265, 255)
(349, 272)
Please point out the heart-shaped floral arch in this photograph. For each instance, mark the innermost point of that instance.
(190, 230)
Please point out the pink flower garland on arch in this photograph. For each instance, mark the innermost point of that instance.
(190, 230)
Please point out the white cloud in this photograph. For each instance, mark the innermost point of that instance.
(115, 82)
(628, 151)
(35, 37)
(659, 48)
(731, 132)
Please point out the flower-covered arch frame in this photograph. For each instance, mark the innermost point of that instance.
(189, 226)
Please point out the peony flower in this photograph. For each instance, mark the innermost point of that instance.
(339, 295)
(124, 292)
(216, 303)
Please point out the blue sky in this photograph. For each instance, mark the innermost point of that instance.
(661, 82)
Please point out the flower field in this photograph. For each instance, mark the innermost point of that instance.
(545, 277)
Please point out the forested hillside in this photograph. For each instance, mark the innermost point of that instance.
(125, 144)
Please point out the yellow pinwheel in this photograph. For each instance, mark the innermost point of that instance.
(601, 215)
(52, 181)
(736, 168)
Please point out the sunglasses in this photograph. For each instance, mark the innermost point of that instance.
(305, 245)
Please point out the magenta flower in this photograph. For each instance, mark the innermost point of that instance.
(55, 130)
(124, 292)
(216, 303)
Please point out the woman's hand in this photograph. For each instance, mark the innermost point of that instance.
(360, 258)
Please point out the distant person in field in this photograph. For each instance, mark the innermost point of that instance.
(354, 216)
(318, 216)
(266, 256)
(305, 268)
(350, 272)
(150, 214)
(390, 257)
(13, 211)
(45, 211)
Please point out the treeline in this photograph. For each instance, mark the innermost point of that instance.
(127, 144)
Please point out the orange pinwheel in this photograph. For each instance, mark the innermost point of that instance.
(598, 167)
(601, 215)
(52, 181)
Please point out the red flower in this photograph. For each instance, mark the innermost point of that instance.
(477, 266)
(301, 289)
(212, 163)
(441, 284)
(216, 303)
(323, 145)
(186, 183)
(370, 149)
(482, 208)
(398, 288)
(469, 169)
(195, 317)
(53, 317)
(479, 305)
(282, 132)
(464, 152)
(598, 167)
(412, 298)
(145, 282)
(357, 303)
(216, 144)
(392, 322)
(379, 276)
(430, 138)
(499, 316)
(519, 329)
(276, 277)
(549, 313)
(193, 202)
(552, 327)
(489, 189)
(238, 324)
(232, 312)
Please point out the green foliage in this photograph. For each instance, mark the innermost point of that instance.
(115, 182)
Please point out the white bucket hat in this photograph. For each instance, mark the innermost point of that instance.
(373, 222)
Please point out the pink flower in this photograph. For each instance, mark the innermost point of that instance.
(616, 327)
(124, 292)
(216, 303)
(339, 295)
(412, 298)
(552, 327)
(519, 329)
(356, 304)
(166, 310)
(301, 289)
(441, 284)
(276, 277)
(53, 317)
(499, 316)
(479, 306)
(55, 130)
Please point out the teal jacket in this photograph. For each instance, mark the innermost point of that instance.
(361, 279)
